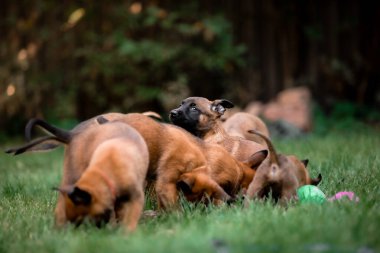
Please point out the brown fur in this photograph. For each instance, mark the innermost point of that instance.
(173, 153)
(279, 174)
(208, 126)
(109, 163)
(239, 124)
(179, 159)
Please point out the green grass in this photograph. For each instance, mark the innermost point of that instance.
(348, 162)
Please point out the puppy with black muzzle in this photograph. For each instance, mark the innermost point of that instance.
(201, 117)
(280, 175)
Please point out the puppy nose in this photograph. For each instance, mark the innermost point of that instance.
(175, 113)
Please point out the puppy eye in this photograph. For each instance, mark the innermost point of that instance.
(193, 106)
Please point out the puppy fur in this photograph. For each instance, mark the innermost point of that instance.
(172, 152)
(104, 171)
(180, 161)
(176, 159)
(80, 146)
(201, 117)
(280, 175)
(239, 124)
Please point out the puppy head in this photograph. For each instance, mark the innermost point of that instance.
(81, 204)
(189, 186)
(299, 167)
(198, 114)
(196, 187)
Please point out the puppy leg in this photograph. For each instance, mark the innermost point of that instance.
(256, 186)
(286, 196)
(131, 211)
(254, 189)
(167, 195)
(60, 212)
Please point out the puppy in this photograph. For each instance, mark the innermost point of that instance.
(172, 152)
(201, 117)
(114, 178)
(280, 175)
(180, 161)
(232, 175)
(239, 124)
(104, 171)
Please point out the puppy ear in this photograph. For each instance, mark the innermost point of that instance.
(225, 103)
(316, 181)
(256, 159)
(75, 194)
(220, 105)
(305, 162)
(101, 120)
(186, 183)
(80, 197)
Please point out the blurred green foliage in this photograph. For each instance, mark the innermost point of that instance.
(76, 59)
(345, 116)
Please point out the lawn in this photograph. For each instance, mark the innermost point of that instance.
(348, 161)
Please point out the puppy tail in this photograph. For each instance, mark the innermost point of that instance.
(40, 144)
(272, 152)
(59, 134)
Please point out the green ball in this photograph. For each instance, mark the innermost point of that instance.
(310, 194)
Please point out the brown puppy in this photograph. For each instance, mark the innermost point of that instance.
(280, 175)
(232, 175)
(114, 179)
(201, 117)
(179, 160)
(239, 124)
(172, 152)
(104, 171)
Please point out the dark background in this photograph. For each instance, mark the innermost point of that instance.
(70, 60)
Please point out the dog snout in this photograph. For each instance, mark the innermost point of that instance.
(175, 114)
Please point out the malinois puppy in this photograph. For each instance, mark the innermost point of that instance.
(172, 152)
(114, 178)
(201, 117)
(178, 160)
(280, 175)
(104, 173)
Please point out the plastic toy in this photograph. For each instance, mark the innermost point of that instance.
(344, 195)
(310, 194)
